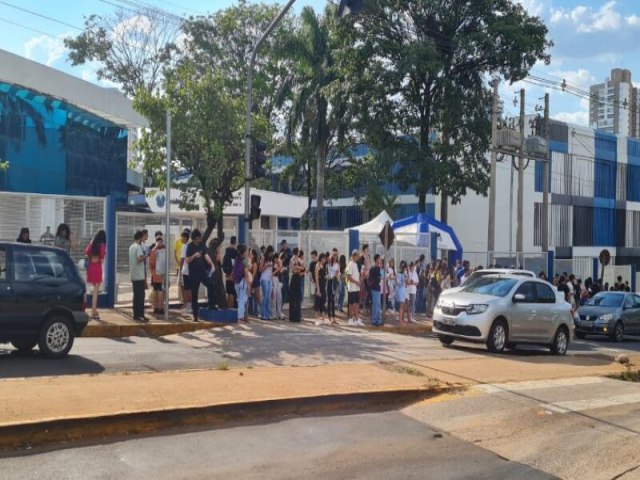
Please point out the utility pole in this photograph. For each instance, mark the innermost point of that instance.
(492, 186)
(520, 212)
(167, 194)
(545, 180)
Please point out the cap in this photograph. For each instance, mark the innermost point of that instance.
(355, 252)
(186, 231)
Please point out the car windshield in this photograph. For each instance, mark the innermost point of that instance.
(606, 300)
(496, 286)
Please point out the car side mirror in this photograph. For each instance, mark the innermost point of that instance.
(519, 297)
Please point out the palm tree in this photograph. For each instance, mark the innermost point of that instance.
(312, 116)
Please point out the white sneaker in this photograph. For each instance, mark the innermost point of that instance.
(352, 322)
(359, 323)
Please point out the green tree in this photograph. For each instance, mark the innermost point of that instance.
(312, 114)
(131, 48)
(224, 40)
(417, 67)
(207, 138)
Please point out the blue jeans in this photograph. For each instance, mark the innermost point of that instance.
(341, 294)
(376, 318)
(242, 295)
(267, 286)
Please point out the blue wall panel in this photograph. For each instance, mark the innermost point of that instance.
(604, 227)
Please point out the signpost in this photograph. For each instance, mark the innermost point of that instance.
(386, 237)
(605, 259)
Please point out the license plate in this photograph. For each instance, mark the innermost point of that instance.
(586, 323)
(448, 321)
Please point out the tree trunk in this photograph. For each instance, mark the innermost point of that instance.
(422, 202)
(221, 228)
(309, 197)
(444, 209)
(320, 159)
(211, 222)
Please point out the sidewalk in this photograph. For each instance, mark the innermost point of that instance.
(118, 322)
(38, 411)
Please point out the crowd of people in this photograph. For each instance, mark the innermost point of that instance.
(259, 282)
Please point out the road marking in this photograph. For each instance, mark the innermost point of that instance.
(538, 384)
(591, 404)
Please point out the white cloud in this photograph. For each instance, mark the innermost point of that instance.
(534, 7)
(574, 118)
(45, 49)
(136, 23)
(586, 19)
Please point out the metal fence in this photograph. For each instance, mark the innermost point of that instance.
(42, 214)
(581, 267)
(127, 223)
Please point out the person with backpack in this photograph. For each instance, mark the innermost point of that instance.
(241, 280)
(230, 255)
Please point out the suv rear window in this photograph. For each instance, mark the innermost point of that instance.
(33, 264)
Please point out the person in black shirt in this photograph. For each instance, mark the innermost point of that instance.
(375, 275)
(199, 263)
(562, 287)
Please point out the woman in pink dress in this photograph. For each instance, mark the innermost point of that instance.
(94, 253)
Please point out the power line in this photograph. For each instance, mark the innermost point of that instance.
(31, 12)
(16, 24)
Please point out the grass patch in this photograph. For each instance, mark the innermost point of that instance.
(403, 369)
(223, 365)
(629, 375)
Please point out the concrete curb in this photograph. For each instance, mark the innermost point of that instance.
(148, 329)
(37, 434)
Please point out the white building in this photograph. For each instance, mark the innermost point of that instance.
(614, 105)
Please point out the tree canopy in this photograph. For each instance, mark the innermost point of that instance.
(418, 75)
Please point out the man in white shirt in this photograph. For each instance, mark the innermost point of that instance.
(353, 289)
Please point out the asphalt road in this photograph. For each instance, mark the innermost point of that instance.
(366, 446)
(262, 344)
(585, 428)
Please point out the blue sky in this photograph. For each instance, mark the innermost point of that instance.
(591, 37)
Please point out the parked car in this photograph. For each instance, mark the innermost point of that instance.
(502, 311)
(42, 299)
(489, 271)
(612, 314)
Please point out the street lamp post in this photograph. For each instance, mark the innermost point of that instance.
(346, 7)
(247, 136)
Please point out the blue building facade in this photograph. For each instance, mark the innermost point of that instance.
(53, 147)
(594, 180)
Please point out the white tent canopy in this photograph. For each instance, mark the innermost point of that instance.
(272, 203)
(375, 225)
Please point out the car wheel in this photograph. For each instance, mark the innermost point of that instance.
(581, 335)
(560, 342)
(24, 346)
(56, 337)
(618, 332)
(498, 335)
(444, 340)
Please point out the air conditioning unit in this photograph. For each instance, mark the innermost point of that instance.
(508, 139)
(536, 146)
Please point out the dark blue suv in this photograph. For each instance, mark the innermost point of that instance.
(42, 299)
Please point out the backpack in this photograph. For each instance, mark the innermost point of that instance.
(227, 263)
(238, 271)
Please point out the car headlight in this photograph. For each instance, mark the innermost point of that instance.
(605, 318)
(477, 308)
